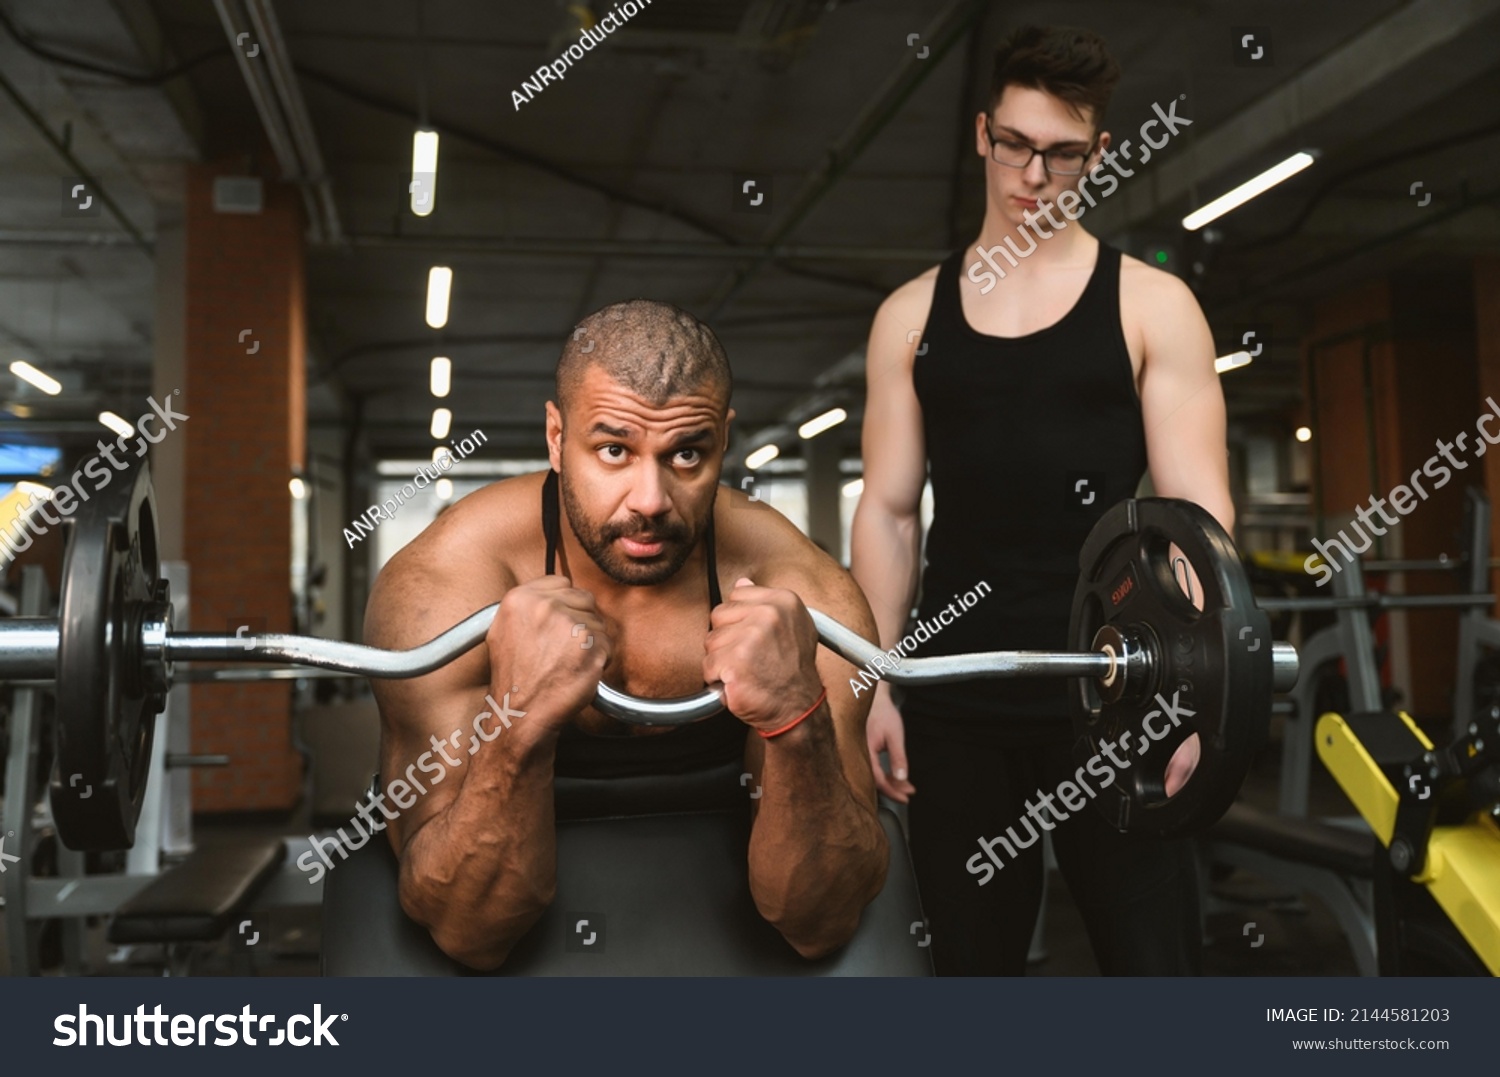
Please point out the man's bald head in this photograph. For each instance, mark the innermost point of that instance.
(653, 349)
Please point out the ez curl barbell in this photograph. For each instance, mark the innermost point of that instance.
(111, 653)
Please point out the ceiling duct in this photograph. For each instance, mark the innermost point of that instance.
(261, 53)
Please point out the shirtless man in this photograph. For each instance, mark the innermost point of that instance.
(636, 559)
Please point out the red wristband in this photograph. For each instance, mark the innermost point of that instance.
(797, 720)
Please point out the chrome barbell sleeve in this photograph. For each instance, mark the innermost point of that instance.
(28, 648)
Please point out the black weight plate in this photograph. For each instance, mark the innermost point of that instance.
(1214, 663)
(106, 710)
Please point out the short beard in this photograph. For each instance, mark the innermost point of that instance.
(679, 540)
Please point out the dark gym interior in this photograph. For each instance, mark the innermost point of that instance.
(314, 251)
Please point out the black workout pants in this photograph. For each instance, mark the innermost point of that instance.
(1138, 895)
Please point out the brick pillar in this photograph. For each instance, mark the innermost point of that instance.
(1390, 369)
(244, 439)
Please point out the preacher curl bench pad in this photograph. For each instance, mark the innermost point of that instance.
(665, 895)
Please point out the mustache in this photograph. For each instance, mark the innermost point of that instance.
(639, 526)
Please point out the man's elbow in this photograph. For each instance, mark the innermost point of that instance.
(886, 513)
(834, 937)
(835, 929)
(479, 958)
(830, 919)
(480, 941)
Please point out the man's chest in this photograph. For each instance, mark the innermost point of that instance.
(1025, 305)
(654, 656)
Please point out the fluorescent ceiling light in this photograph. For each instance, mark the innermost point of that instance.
(1247, 190)
(117, 424)
(298, 488)
(440, 376)
(1304, 433)
(827, 421)
(761, 456)
(442, 419)
(1233, 361)
(27, 372)
(439, 288)
(444, 489)
(854, 488)
(424, 154)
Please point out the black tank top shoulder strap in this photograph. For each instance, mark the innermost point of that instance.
(551, 529)
(550, 500)
(946, 302)
(1104, 284)
(714, 598)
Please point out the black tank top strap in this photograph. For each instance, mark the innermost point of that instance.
(550, 526)
(947, 304)
(714, 598)
(1103, 290)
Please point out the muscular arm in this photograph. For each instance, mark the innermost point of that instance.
(477, 849)
(886, 536)
(1182, 408)
(818, 855)
(1182, 404)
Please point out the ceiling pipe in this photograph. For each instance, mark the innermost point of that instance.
(299, 122)
(260, 53)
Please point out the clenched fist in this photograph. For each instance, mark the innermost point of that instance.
(549, 640)
(762, 647)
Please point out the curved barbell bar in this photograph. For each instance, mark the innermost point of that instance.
(29, 645)
(368, 661)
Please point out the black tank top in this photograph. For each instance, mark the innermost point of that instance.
(709, 743)
(1029, 440)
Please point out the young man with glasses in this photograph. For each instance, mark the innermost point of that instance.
(1038, 373)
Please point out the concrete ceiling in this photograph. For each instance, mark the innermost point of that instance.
(620, 181)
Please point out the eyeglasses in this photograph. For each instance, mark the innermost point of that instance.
(1065, 162)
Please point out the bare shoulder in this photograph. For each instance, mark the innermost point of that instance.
(756, 541)
(468, 558)
(898, 323)
(911, 302)
(1161, 318)
(1146, 289)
